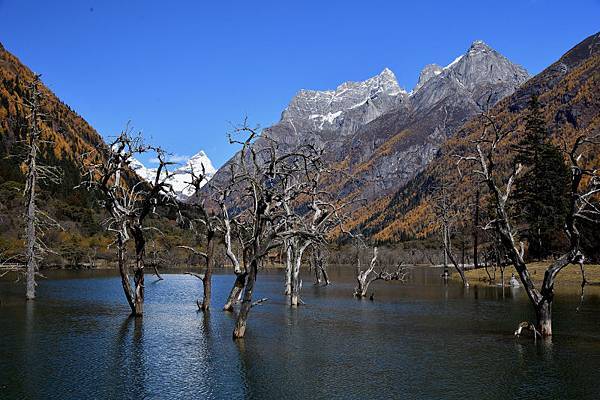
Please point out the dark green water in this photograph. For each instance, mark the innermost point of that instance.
(420, 340)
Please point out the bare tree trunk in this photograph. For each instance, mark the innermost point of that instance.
(125, 282)
(446, 272)
(240, 326)
(325, 274)
(319, 265)
(33, 136)
(207, 281)
(30, 230)
(487, 271)
(449, 254)
(288, 268)
(236, 291)
(296, 283)
(475, 233)
(138, 275)
(362, 277)
(314, 264)
(544, 317)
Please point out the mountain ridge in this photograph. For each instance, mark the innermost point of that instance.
(568, 90)
(376, 131)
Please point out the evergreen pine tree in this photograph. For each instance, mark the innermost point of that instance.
(543, 190)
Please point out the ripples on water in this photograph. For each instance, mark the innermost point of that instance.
(420, 340)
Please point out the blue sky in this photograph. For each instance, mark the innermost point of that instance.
(182, 71)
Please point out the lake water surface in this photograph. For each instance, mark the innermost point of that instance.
(420, 340)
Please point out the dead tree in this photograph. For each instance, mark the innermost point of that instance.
(239, 269)
(446, 214)
(319, 267)
(264, 178)
(585, 187)
(212, 224)
(312, 214)
(371, 274)
(35, 219)
(476, 215)
(128, 201)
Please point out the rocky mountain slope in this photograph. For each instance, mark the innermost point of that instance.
(568, 91)
(381, 135)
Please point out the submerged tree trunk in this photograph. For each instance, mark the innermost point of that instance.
(319, 266)
(449, 254)
(544, 317)
(288, 269)
(296, 282)
(236, 291)
(138, 274)
(475, 233)
(314, 262)
(362, 277)
(240, 326)
(207, 280)
(33, 137)
(125, 282)
(325, 274)
(30, 233)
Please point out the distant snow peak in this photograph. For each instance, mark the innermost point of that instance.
(147, 174)
(180, 179)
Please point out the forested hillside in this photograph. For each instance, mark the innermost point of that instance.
(568, 96)
(81, 240)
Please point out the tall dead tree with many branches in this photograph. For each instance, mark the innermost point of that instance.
(445, 210)
(312, 213)
(267, 180)
(35, 172)
(583, 206)
(128, 202)
(212, 224)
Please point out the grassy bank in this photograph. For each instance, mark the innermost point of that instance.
(570, 275)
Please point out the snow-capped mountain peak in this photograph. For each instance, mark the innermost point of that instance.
(181, 178)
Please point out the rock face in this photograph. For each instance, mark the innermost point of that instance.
(379, 132)
(180, 178)
(350, 105)
(427, 73)
(482, 74)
